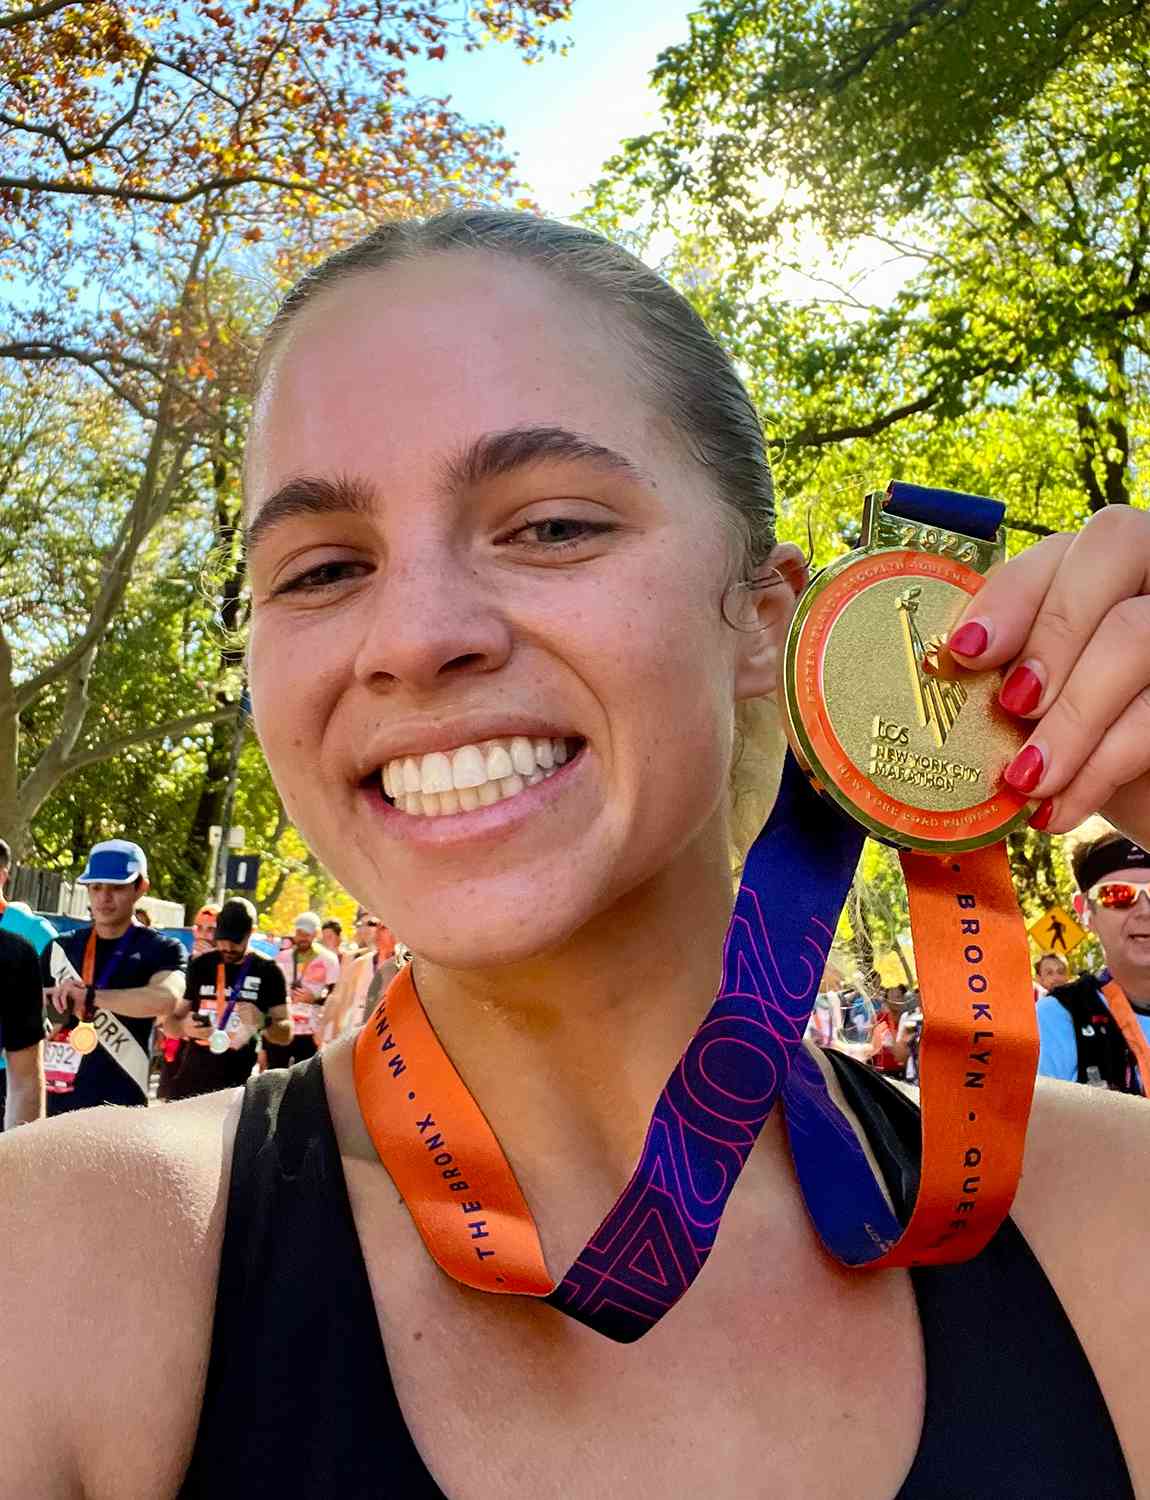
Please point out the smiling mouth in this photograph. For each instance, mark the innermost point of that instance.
(473, 776)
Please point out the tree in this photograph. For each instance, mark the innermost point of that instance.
(1020, 217)
(188, 136)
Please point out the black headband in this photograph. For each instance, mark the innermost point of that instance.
(1119, 854)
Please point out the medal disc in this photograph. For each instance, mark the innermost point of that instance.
(906, 741)
(83, 1038)
(218, 1042)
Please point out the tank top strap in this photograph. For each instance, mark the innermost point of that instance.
(988, 1430)
(298, 1398)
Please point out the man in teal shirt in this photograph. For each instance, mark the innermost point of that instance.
(16, 916)
(23, 921)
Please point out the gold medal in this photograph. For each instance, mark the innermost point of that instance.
(83, 1038)
(886, 724)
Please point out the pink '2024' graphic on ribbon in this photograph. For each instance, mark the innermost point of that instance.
(656, 1239)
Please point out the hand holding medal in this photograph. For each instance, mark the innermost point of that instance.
(1069, 620)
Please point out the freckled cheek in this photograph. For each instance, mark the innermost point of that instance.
(287, 689)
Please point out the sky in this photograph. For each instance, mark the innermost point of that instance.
(565, 115)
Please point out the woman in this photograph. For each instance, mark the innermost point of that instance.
(500, 484)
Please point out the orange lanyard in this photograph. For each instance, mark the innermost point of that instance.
(1123, 1012)
(977, 1061)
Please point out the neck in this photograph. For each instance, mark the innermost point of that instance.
(111, 929)
(576, 1042)
(1134, 982)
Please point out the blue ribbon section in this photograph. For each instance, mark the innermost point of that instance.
(656, 1239)
(973, 515)
(843, 1197)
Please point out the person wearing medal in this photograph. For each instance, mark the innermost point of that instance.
(105, 986)
(518, 614)
(311, 970)
(232, 996)
(1096, 1029)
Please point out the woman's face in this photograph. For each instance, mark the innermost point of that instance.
(467, 529)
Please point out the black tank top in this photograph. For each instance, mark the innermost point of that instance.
(299, 1399)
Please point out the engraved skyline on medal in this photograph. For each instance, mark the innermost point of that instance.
(915, 756)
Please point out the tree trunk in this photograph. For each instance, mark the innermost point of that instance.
(197, 857)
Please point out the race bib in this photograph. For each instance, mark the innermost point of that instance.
(303, 1018)
(61, 1064)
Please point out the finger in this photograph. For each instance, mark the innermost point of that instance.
(1114, 779)
(995, 623)
(1106, 562)
(1109, 675)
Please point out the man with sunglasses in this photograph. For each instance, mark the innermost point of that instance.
(1096, 1030)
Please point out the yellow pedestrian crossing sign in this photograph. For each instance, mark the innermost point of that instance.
(1057, 932)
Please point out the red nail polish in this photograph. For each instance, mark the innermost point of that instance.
(969, 639)
(1021, 691)
(1043, 815)
(1025, 771)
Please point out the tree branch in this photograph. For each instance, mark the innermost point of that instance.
(63, 185)
(805, 438)
(170, 729)
(16, 18)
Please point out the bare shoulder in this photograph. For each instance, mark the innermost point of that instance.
(1085, 1211)
(112, 1222)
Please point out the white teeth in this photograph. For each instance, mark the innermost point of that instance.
(498, 763)
(440, 783)
(435, 773)
(467, 768)
(522, 755)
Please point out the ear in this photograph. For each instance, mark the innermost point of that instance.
(1081, 908)
(761, 616)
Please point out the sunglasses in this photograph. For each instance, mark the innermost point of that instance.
(1118, 895)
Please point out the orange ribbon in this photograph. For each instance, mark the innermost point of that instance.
(1123, 1012)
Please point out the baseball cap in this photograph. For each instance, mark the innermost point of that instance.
(235, 921)
(307, 922)
(114, 862)
(1106, 856)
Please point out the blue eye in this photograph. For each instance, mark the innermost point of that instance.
(323, 576)
(559, 533)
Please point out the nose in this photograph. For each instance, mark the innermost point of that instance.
(432, 617)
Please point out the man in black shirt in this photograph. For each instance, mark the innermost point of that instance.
(229, 989)
(113, 978)
(21, 1031)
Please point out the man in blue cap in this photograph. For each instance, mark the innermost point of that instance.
(106, 984)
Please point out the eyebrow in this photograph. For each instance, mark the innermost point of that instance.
(491, 456)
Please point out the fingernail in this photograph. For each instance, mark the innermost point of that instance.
(970, 639)
(1043, 815)
(1021, 691)
(1025, 771)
